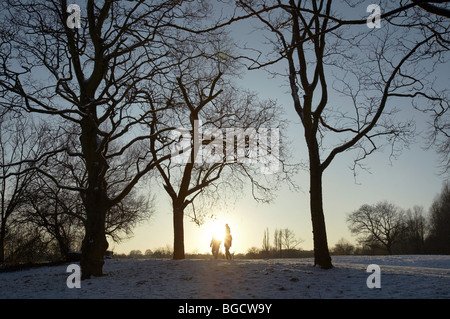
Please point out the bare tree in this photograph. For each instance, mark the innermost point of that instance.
(93, 78)
(289, 240)
(438, 239)
(277, 241)
(284, 239)
(371, 69)
(216, 147)
(415, 230)
(61, 212)
(439, 132)
(55, 210)
(20, 139)
(437, 7)
(432, 16)
(382, 223)
(343, 247)
(266, 243)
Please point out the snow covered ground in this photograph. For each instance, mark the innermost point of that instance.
(401, 277)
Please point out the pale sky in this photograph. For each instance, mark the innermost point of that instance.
(411, 179)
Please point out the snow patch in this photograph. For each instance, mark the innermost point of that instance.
(401, 277)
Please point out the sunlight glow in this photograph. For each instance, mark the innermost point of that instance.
(215, 229)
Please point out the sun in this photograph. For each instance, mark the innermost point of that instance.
(218, 230)
(215, 229)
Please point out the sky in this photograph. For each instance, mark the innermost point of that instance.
(413, 178)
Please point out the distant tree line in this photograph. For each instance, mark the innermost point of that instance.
(382, 228)
(285, 245)
(386, 228)
(161, 252)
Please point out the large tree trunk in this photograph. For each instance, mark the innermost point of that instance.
(63, 246)
(389, 248)
(321, 252)
(178, 232)
(94, 243)
(2, 241)
(95, 201)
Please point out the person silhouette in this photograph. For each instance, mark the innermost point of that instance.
(227, 241)
(215, 245)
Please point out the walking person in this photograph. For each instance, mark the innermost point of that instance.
(215, 245)
(227, 241)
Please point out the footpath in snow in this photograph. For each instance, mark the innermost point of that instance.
(418, 276)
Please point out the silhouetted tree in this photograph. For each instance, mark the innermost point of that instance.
(135, 254)
(438, 239)
(343, 247)
(253, 253)
(289, 240)
(278, 242)
(20, 139)
(218, 145)
(369, 68)
(265, 250)
(55, 210)
(382, 223)
(92, 79)
(415, 230)
(148, 252)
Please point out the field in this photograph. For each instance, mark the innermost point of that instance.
(419, 276)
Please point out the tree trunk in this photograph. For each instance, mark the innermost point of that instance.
(389, 248)
(321, 252)
(95, 201)
(63, 246)
(178, 232)
(2, 241)
(94, 243)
